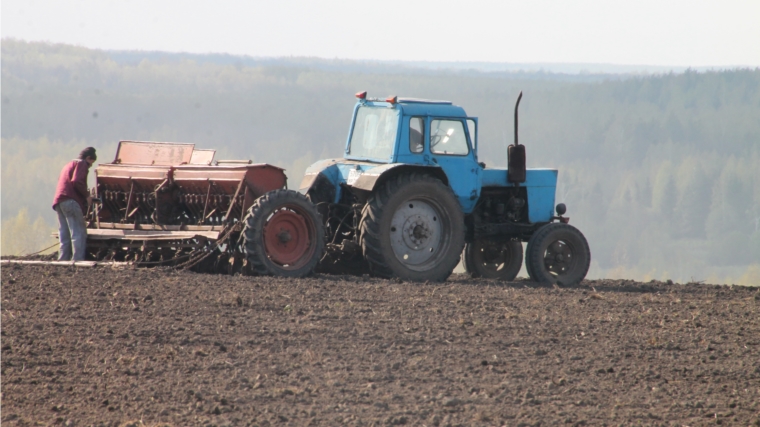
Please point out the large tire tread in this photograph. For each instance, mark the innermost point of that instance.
(253, 233)
(375, 211)
(528, 262)
(537, 245)
(508, 273)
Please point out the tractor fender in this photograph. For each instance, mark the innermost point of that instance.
(370, 179)
(307, 181)
(323, 167)
(321, 181)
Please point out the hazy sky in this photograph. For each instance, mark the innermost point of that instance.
(639, 32)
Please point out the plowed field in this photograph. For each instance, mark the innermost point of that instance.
(98, 346)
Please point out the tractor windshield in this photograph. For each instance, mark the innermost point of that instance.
(374, 134)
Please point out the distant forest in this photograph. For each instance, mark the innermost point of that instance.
(660, 171)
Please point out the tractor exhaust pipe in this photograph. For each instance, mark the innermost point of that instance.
(516, 156)
(517, 104)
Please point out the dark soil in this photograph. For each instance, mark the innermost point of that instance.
(84, 346)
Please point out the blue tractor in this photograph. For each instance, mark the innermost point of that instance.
(410, 197)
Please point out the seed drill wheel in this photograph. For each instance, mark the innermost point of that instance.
(558, 253)
(493, 259)
(413, 228)
(283, 234)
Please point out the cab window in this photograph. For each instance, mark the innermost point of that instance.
(416, 124)
(374, 132)
(471, 127)
(448, 137)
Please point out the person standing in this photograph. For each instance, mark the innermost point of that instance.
(71, 202)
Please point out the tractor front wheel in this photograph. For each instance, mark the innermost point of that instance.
(558, 253)
(412, 227)
(283, 234)
(492, 259)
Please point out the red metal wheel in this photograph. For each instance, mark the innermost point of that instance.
(284, 235)
(286, 238)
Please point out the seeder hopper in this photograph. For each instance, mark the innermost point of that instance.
(172, 204)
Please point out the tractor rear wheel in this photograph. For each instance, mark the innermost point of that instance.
(493, 259)
(283, 234)
(412, 227)
(558, 253)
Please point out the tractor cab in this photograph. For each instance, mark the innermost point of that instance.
(408, 130)
(388, 136)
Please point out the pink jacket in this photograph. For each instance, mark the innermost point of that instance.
(72, 184)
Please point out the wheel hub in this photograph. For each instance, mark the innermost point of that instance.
(491, 255)
(494, 254)
(419, 232)
(559, 258)
(416, 232)
(286, 237)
